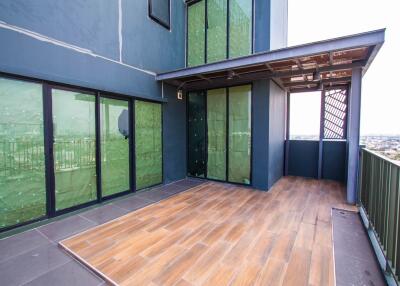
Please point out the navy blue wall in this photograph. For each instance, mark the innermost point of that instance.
(303, 158)
(260, 134)
(174, 133)
(334, 160)
(78, 42)
(261, 25)
(276, 133)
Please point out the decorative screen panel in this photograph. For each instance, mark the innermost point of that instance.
(240, 28)
(335, 114)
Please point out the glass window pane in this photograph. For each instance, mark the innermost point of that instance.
(216, 30)
(74, 148)
(22, 167)
(148, 144)
(239, 134)
(240, 27)
(160, 10)
(114, 132)
(216, 122)
(196, 33)
(196, 134)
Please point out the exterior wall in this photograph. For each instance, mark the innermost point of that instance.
(278, 24)
(113, 47)
(276, 133)
(262, 25)
(260, 134)
(303, 159)
(174, 133)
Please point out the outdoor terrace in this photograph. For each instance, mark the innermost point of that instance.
(197, 232)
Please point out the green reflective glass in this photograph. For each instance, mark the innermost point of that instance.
(22, 167)
(148, 144)
(197, 134)
(196, 33)
(239, 149)
(240, 27)
(216, 30)
(216, 132)
(114, 134)
(74, 148)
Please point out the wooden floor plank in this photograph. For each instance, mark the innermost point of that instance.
(220, 234)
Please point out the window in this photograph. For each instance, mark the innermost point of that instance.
(218, 29)
(22, 167)
(196, 34)
(148, 144)
(305, 112)
(159, 11)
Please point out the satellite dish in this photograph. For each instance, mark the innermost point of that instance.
(123, 123)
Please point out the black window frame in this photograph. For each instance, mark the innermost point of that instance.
(158, 20)
(189, 3)
(47, 86)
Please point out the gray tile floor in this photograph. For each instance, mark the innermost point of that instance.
(33, 257)
(355, 260)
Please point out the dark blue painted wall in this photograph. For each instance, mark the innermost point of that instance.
(303, 158)
(260, 135)
(334, 160)
(276, 133)
(174, 132)
(78, 42)
(262, 25)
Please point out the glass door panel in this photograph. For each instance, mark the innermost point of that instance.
(74, 148)
(114, 140)
(239, 145)
(22, 164)
(197, 134)
(148, 144)
(216, 132)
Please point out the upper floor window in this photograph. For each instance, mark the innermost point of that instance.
(218, 29)
(159, 11)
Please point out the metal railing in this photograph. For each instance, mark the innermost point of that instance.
(379, 197)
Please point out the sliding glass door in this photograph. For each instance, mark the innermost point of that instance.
(74, 149)
(114, 138)
(219, 134)
(22, 161)
(148, 144)
(239, 151)
(63, 148)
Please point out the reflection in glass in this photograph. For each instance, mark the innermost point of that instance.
(239, 149)
(148, 149)
(74, 148)
(196, 33)
(22, 167)
(216, 132)
(114, 132)
(240, 28)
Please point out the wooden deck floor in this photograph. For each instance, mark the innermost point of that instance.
(218, 234)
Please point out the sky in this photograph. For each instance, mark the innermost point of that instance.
(315, 20)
